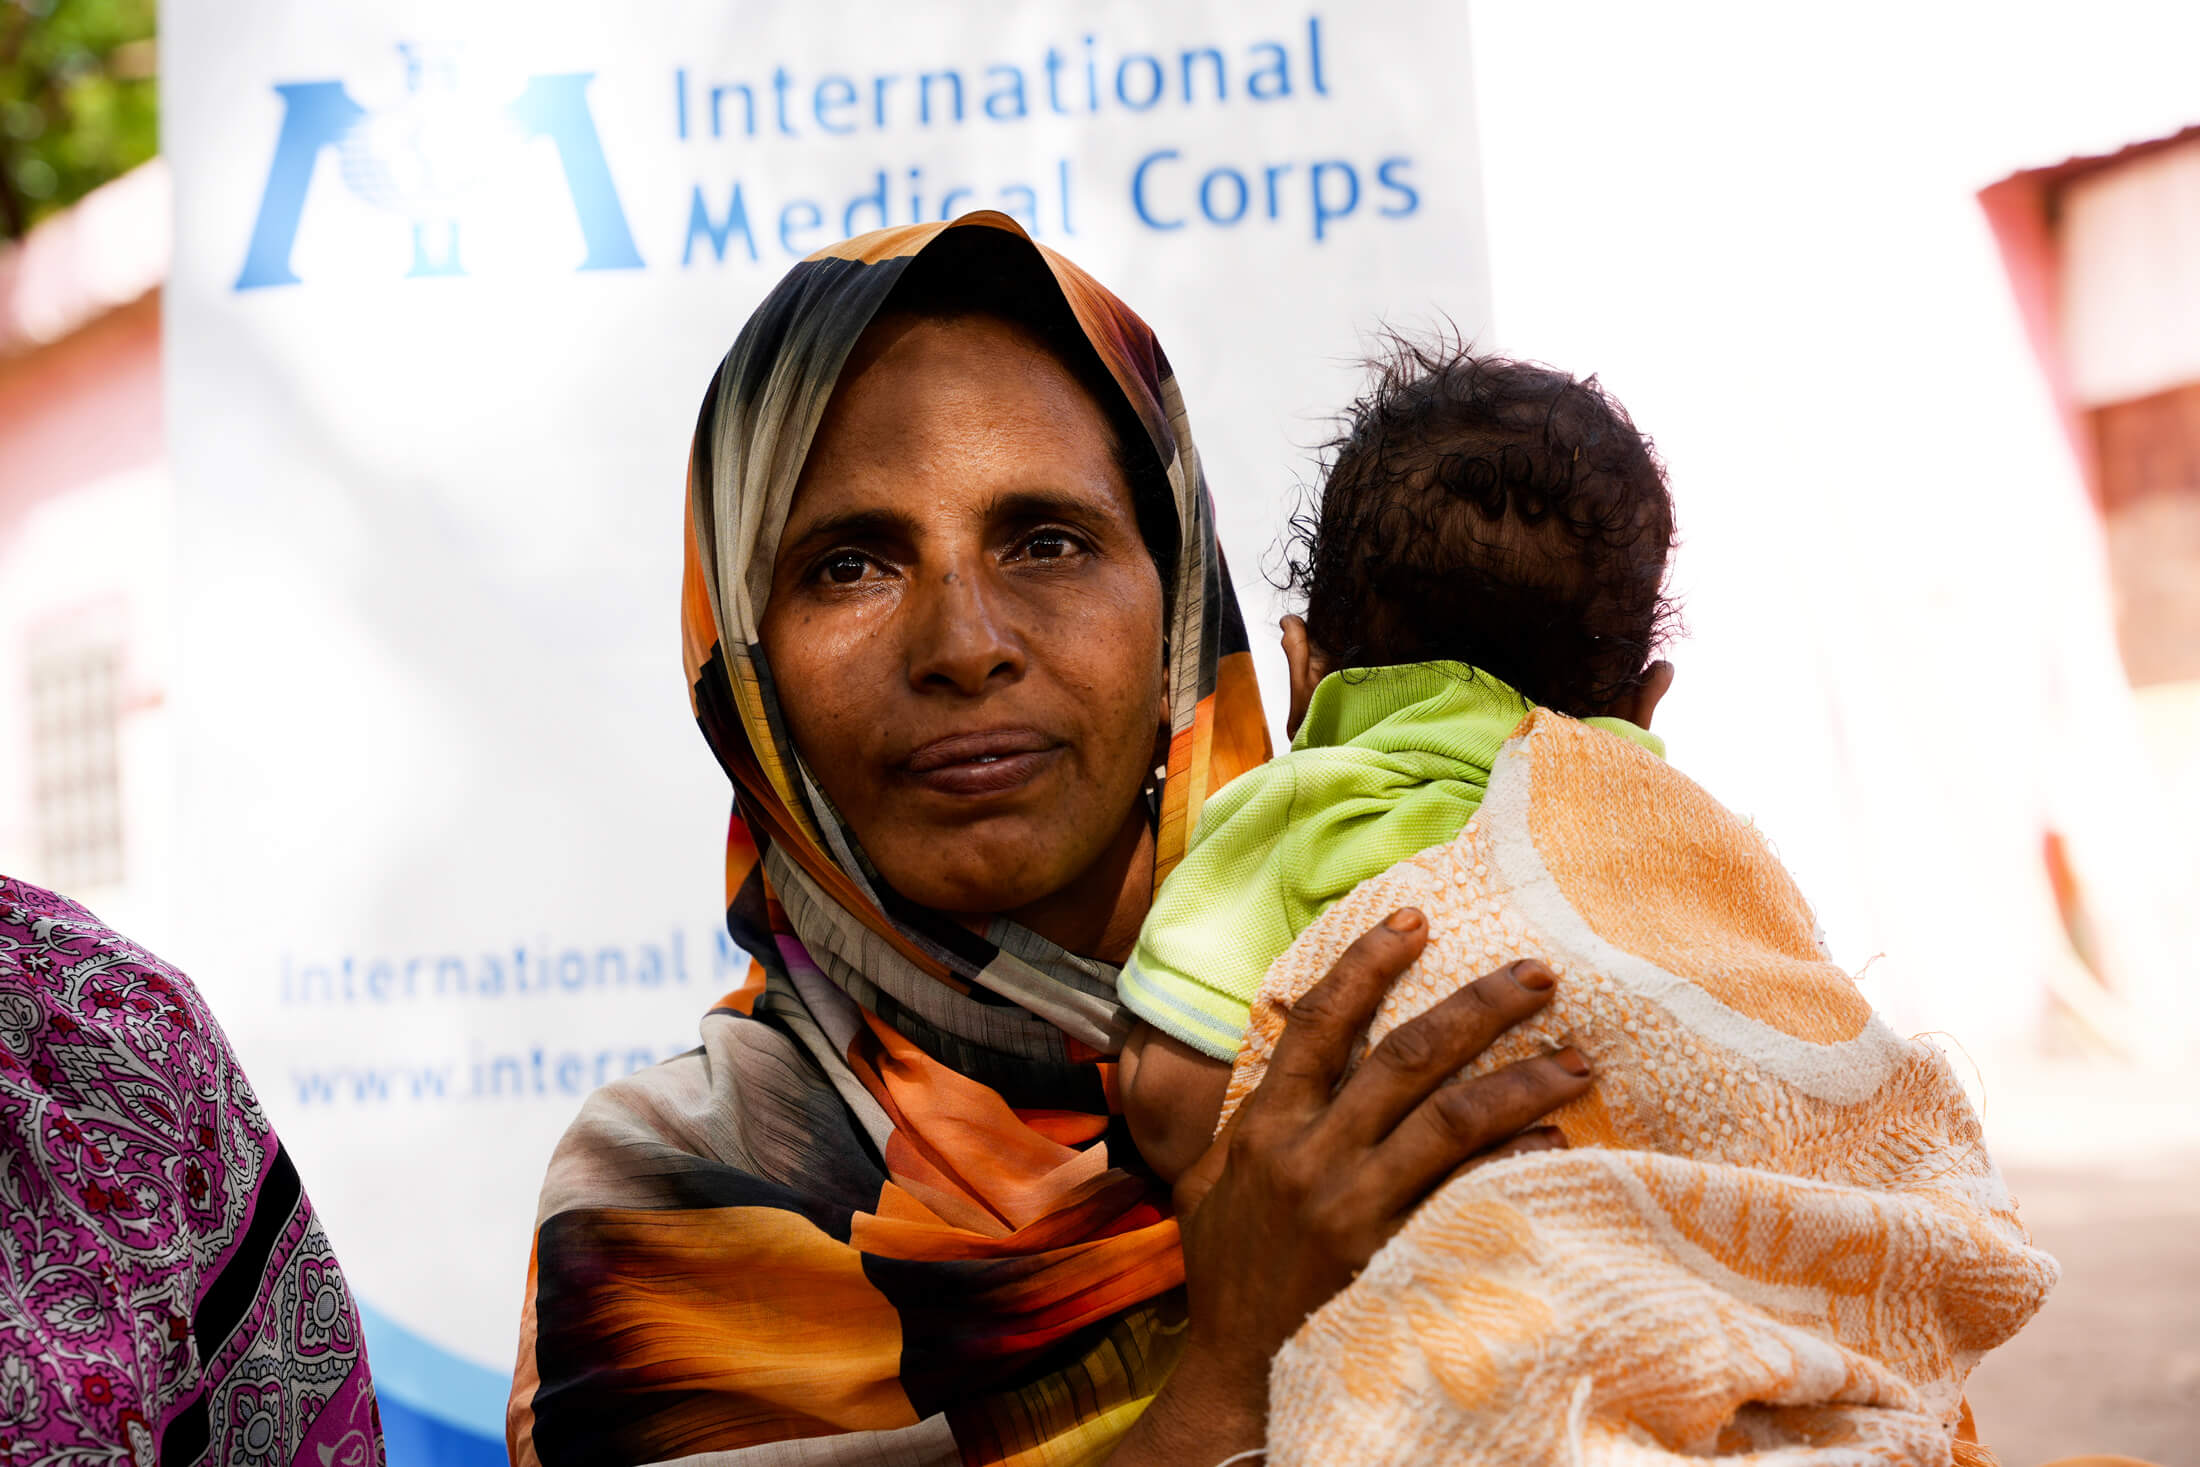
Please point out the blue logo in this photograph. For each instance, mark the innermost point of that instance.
(425, 158)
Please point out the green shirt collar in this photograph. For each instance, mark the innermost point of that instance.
(1445, 708)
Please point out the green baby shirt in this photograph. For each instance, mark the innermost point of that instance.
(1389, 761)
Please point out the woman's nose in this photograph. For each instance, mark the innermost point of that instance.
(962, 637)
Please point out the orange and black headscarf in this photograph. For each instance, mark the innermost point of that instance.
(885, 1213)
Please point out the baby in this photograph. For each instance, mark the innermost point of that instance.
(1492, 537)
(1774, 1234)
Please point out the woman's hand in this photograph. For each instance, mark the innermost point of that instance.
(1309, 1179)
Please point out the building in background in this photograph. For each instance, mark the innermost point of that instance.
(85, 761)
(2104, 254)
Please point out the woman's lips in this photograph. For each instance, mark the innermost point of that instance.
(989, 763)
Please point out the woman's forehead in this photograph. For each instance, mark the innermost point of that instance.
(953, 413)
(911, 357)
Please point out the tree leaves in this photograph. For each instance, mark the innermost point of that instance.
(79, 104)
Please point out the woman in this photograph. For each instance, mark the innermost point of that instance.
(957, 627)
(166, 1292)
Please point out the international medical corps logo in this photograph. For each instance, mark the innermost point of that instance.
(426, 159)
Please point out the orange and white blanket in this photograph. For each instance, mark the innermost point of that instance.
(1777, 1236)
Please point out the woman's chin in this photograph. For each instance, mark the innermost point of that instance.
(974, 901)
(1012, 862)
(973, 878)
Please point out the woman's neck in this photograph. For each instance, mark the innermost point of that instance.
(1099, 913)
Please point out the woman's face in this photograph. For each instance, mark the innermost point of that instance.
(965, 627)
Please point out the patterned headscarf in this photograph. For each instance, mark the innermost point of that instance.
(886, 1213)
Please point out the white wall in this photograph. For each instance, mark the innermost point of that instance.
(2131, 277)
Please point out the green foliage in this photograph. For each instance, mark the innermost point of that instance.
(78, 101)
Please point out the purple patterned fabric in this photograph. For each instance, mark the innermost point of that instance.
(166, 1293)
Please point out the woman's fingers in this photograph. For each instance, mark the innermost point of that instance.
(1307, 1181)
(1465, 1117)
(1538, 1138)
(1420, 1055)
(1328, 1019)
(1527, 1143)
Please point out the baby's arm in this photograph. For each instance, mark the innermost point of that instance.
(1171, 1096)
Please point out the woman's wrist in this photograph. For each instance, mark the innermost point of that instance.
(1227, 1394)
(1211, 1408)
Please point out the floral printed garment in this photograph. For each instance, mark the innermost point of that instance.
(166, 1293)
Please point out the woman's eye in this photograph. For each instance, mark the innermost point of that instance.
(1049, 545)
(844, 569)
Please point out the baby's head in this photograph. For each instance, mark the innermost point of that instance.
(1491, 512)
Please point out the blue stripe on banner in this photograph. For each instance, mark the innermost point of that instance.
(416, 1439)
(438, 1410)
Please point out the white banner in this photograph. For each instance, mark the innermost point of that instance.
(450, 280)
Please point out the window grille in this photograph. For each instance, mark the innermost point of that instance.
(75, 762)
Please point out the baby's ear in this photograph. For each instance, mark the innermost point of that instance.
(1638, 706)
(1308, 668)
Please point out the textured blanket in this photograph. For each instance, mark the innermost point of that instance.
(1777, 1236)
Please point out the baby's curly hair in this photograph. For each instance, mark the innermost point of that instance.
(1493, 512)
